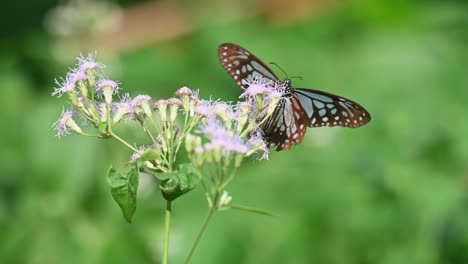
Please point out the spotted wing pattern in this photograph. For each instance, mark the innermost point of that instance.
(325, 109)
(243, 65)
(287, 125)
(298, 109)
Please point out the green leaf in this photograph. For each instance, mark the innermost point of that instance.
(124, 188)
(250, 210)
(103, 127)
(149, 154)
(178, 182)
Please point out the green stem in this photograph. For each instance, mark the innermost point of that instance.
(167, 227)
(123, 141)
(200, 234)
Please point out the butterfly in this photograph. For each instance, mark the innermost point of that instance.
(299, 108)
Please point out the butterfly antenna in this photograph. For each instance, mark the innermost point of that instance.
(280, 69)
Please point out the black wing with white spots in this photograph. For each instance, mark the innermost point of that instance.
(298, 109)
(287, 125)
(242, 65)
(325, 109)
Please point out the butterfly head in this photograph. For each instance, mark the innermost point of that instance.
(284, 87)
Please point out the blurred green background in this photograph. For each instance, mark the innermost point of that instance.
(393, 191)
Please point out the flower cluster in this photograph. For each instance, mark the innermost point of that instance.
(92, 98)
(229, 133)
(218, 135)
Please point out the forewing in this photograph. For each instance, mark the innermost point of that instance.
(287, 125)
(242, 65)
(325, 109)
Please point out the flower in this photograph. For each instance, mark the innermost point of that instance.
(174, 105)
(77, 76)
(107, 88)
(222, 139)
(256, 144)
(122, 108)
(224, 200)
(257, 86)
(140, 104)
(161, 105)
(66, 123)
(205, 108)
(102, 108)
(184, 91)
(66, 86)
(88, 63)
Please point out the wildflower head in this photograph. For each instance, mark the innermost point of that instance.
(205, 108)
(224, 111)
(140, 105)
(184, 91)
(88, 64)
(66, 86)
(107, 88)
(243, 112)
(221, 140)
(174, 105)
(120, 109)
(257, 144)
(185, 94)
(161, 106)
(257, 86)
(66, 123)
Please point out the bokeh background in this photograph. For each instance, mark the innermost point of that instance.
(394, 191)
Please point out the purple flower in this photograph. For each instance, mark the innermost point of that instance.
(66, 86)
(205, 108)
(122, 108)
(107, 84)
(220, 138)
(174, 101)
(140, 104)
(184, 91)
(224, 110)
(257, 143)
(66, 123)
(257, 86)
(88, 63)
(213, 128)
(141, 100)
(230, 143)
(76, 76)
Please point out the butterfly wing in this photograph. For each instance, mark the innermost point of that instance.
(242, 65)
(287, 125)
(325, 109)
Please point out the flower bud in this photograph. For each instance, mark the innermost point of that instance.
(174, 105)
(192, 142)
(243, 112)
(103, 112)
(161, 105)
(224, 200)
(107, 88)
(149, 165)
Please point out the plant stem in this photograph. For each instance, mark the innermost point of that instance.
(200, 234)
(123, 141)
(166, 237)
